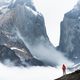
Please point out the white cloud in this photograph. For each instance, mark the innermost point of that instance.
(32, 73)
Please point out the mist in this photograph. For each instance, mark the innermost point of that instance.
(45, 52)
(32, 73)
(50, 55)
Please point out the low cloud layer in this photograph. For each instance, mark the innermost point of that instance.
(32, 73)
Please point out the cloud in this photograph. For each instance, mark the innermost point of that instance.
(32, 73)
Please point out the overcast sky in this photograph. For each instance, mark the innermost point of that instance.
(53, 12)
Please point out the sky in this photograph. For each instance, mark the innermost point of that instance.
(53, 12)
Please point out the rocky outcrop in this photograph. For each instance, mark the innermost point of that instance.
(8, 56)
(72, 76)
(70, 34)
(11, 58)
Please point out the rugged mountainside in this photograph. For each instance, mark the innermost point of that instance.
(20, 23)
(72, 76)
(70, 34)
(22, 30)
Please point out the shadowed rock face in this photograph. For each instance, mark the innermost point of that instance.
(30, 25)
(70, 34)
(10, 58)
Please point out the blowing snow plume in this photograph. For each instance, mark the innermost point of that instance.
(23, 21)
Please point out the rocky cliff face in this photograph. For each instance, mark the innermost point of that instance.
(20, 26)
(70, 34)
(22, 29)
